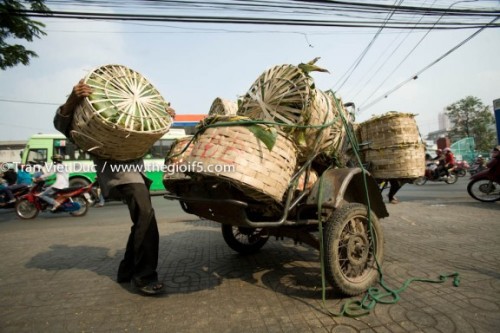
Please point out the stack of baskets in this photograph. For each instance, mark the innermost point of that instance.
(286, 94)
(305, 121)
(393, 146)
(123, 117)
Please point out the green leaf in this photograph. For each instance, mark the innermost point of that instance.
(267, 135)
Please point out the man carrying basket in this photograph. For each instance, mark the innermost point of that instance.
(139, 265)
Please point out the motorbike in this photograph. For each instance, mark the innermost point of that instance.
(17, 191)
(478, 165)
(430, 175)
(73, 200)
(483, 187)
(461, 168)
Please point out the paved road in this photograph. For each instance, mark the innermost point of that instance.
(57, 273)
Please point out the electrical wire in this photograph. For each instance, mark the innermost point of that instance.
(345, 77)
(366, 82)
(416, 75)
(408, 55)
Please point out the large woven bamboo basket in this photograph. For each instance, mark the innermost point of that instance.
(176, 159)
(281, 94)
(261, 174)
(392, 128)
(223, 107)
(396, 162)
(123, 117)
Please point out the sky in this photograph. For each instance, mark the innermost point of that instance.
(192, 64)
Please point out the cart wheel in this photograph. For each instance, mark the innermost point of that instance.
(350, 247)
(243, 240)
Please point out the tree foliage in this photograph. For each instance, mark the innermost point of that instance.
(14, 24)
(471, 118)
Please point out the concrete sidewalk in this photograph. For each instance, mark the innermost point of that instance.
(57, 275)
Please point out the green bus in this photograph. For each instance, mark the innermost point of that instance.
(41, 147)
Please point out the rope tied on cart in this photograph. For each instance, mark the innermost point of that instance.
(374, 295)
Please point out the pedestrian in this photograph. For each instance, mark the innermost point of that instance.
(139, 264)
(99, 194)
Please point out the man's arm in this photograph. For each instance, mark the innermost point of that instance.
(64, 115)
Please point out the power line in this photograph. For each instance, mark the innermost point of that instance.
(416, 75)
(385, 61)
(356, 63)
(409, 53)
(27, 102)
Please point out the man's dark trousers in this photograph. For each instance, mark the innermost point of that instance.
(141, 255)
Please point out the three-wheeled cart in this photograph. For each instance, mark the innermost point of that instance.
(353, 238)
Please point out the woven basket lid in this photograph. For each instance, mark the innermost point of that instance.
(122, 97)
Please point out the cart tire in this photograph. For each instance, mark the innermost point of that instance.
(349, 249)
(243, 240)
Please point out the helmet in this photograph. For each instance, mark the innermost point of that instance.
(497, 148)
(447, 150)
(438, 151)
(57, 158)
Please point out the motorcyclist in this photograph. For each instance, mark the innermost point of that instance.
(449, 159)
(479, 160)
(440, 159)
(62, 181)
(23, 176)
(494, 164)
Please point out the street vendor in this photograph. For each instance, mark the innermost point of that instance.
(139, 264)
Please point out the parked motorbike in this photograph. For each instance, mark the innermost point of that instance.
(478, 165)
(17, 191)
(461, 168)
(74, 200)
(430, 175)
(483, 187)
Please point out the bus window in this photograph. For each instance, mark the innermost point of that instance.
(160, 149)
(69, 150)
(37, 156)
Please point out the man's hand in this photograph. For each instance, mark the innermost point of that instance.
(171, 112)
(80, 91)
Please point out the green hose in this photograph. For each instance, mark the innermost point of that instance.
(358, 308)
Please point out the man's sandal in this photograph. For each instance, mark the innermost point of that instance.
(148, 289)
